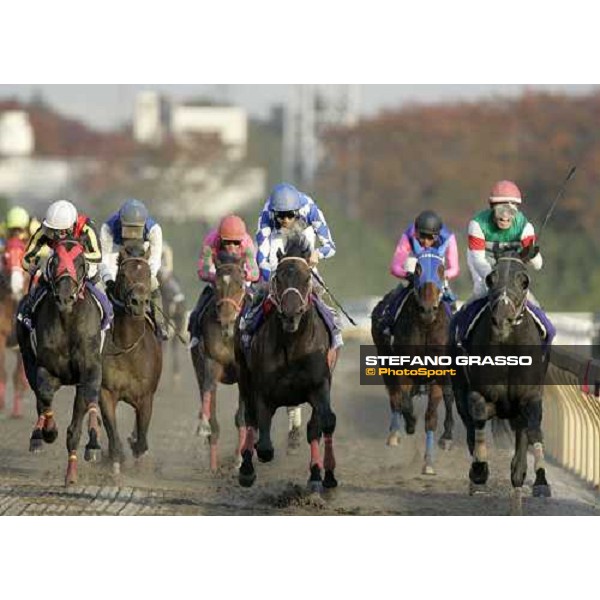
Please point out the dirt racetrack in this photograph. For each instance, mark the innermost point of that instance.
(174, 479)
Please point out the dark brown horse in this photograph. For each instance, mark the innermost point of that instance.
(132, 355)
(214, 357)
(64, 349)
(288, 363)
(13, 285)
(507, 326)
(422, 327)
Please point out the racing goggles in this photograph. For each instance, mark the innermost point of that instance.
(427, 236)
(287, 214)
(230, 243)
(132, 232)
(59, 234)
(505, 211)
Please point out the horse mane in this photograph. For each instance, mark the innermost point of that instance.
(297, 245)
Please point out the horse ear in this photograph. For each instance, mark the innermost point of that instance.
(418, 270)
(490, 279)
(280, 254)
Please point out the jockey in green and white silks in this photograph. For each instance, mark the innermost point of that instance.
(496, 229)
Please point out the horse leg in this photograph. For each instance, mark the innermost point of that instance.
(294, 428)
(240, 423)
(479, 472)
(327, 423)
(74, 435)
(393, 437)
(264, 447)
(108, 406)
(445, 442)
(90, 392)
(313, 435)
(518, 465)
(431, 422)
(247, 474)
(215, 430)
(408, 410)
(45, 428)
(541, 488)
(208, 386)
(143, 414)
(2, 372)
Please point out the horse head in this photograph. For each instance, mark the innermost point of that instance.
(429, 284)
(66, 271)
(507, 286)
(133, 281)
(14, 251)
(291, 284)
(230, 288)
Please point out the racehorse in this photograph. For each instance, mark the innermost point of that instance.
(63, 348)
(175, 311)
(214, 358)
(503, 323)
(420, 328)
(13, 282)
(132, 354)
(289, 362)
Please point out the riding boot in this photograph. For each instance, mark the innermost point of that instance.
(194, 321)
(157, 314)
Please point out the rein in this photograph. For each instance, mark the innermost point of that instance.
(278, 299)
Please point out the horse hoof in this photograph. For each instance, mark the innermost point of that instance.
(247, 479)
(476, 489)
(445, 444)
(410, 427)
(393, 439)
(49, 435)
(479, 472)
(265, 455)
(204, 430)
(315, 487)
(35, 445)
(428, 469)
(541, 491)
(329, 482)
(92, 454)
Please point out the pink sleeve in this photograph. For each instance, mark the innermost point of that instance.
(206, 271)
(249, 253)
(403, 251)
(452, 266)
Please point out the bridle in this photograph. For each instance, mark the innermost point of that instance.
(118, 299)
(233, 301)
(68, 269)
(277, 298)
(505, 297)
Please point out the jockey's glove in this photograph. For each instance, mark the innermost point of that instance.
(529, 252)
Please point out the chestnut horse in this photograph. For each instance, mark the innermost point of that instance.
(13, 284)
(132, 356)
(214, 357)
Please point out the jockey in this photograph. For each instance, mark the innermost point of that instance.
(426, 233)
(287, 209)
(19, 224)
(231, 237)
(63, 222)
(132, 223)
(499, 228)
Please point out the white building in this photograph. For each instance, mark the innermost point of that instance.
(149, 119)
(16, 134)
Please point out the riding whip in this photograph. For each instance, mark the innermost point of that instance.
(561, 191)
(318, 278)
(170, 323)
